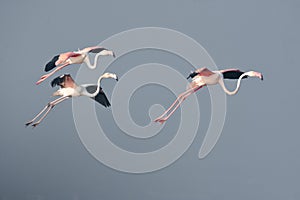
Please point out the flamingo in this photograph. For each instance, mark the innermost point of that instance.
(204, 76)
(68, 89)
(76, 57)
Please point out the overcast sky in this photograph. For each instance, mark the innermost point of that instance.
(257, 156)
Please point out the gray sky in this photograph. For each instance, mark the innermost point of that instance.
(257, 156)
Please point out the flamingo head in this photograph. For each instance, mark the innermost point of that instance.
(110, 75)
(110, 53)
(255, 74)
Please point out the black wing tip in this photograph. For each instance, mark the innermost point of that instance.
(97, 50)
(233, 74)
(55, 82)
(106, 105)
(104, 102)
(192, 75)
(100, 97)
(51, 64)
(58, 80)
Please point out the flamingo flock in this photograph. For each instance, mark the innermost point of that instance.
(69, 88)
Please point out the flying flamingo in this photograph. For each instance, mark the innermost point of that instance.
(204, 76)
(68, 89)
(76, 57)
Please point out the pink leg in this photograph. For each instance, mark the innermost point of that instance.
(44, 77)
(180, 99)
(162, 120)
(177, 100)
(31, 121)
(49, 106)
(49, 109)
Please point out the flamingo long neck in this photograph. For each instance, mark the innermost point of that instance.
(88, 62)
(221, 82)
(98, 87)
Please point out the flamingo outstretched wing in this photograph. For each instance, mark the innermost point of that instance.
(204, 71)
(200, 72)
(95, 49)
(230, 70)
(100, 97)
(232, 73)
(65, 56)
(59, 59)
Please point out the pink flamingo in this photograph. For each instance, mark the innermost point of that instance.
(204, 76)
(68, 89)
(76, 57)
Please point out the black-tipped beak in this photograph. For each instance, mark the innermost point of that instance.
(192, 75)
(262, 77)
(117, 79)
(114, 55)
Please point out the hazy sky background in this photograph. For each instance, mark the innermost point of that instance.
(257, 156)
